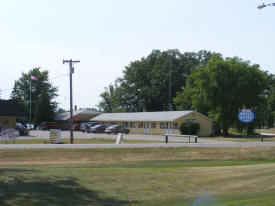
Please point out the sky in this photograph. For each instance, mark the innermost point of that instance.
(107, 35)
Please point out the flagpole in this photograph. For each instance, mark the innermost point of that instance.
(30, 100)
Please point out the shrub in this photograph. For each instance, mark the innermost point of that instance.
(189, 128)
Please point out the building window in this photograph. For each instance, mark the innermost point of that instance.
(125, 124)
(162, 126)
(140, 125)
(175, 126)
(132, 125)
(153, 125)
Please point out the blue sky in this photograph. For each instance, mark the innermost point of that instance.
(107, 35)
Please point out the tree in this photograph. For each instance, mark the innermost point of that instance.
(222, 87)
(43, 94)
(189, 128)
(110, 100)
(44, 108)
(145, 82)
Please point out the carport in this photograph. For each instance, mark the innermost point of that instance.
(79, 116)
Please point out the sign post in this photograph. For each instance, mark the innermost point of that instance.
(246, 116)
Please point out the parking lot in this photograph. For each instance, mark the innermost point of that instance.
(39, 134)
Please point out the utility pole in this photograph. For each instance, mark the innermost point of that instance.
(71, 62)
(170, 83)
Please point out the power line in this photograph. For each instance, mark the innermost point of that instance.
(124, 44)
(55, 77)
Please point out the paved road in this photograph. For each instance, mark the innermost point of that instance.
(143, 145)
(172, 140)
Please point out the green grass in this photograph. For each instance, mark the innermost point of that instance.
(135, 177)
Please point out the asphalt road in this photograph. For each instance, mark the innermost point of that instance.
(141, 145)
(173, 142)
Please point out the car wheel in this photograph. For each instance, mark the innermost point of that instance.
(127, 132)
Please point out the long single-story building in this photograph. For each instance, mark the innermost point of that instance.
(79, 116)
(10, 110)
(156, 122)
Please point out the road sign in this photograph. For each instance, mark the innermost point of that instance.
(55, 136)
(246, 115)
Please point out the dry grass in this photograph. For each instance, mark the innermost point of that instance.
(99, 156)
(159, 176)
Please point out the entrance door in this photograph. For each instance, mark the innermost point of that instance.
(146, 128)
(168, 127)
(134, 127)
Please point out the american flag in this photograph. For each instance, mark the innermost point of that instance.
(34, 78)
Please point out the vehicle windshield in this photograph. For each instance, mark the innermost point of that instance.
(96, 126)
(112, 126)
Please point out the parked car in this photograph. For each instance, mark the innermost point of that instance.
(76, 127)
(99, 128)
(85, 127)
(48, 125)
(22, 129)
(30, 126)
(116, 129)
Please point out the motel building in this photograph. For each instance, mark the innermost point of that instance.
(158, 123)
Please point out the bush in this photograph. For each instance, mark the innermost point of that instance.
(189, 128)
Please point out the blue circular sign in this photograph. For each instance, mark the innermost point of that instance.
(246, 115)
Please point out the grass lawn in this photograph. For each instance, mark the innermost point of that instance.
(159, 176)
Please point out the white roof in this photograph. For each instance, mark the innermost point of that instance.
(66, 115)
(168, 116)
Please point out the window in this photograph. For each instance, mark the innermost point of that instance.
(132, 125)
(175, 126)
(140, 125)
(153, 125)
(125, 124)
(162, 126)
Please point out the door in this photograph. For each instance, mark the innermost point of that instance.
(146, 128)
(134, 128)
(168, 128)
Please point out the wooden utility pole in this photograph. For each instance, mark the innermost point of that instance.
(71, 62)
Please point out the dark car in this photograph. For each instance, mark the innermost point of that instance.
(76, 127)
(85, 127)
(22, 129)
(99, 128)
(116, 129)
(48, 125)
